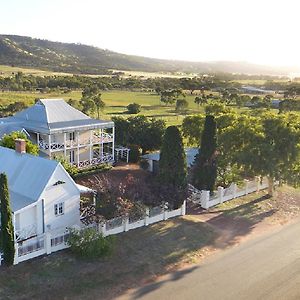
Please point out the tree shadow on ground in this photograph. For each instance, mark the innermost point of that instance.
(236, 222)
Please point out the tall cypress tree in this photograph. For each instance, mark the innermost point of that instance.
(204, 172)
(172, 165)
(7, 229)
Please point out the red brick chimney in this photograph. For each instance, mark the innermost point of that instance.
(20, 145)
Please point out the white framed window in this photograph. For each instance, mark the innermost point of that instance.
(59, 209)
(72, 136)
(72, 156)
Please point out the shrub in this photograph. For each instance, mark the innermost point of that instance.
(71, 169)
(92, 170)
(134, 154)
(133, 108)
(181, 105)
(144, 164)
(89, 243)
(106, 204)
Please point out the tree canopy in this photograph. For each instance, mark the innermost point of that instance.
(7, 229)
(172, 162)
(139, 130)
(8, 141)
(204, 171)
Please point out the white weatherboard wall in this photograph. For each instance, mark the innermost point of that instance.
(67, 193)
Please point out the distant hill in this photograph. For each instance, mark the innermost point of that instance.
(76, 58)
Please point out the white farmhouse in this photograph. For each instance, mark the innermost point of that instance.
(61, 130)
(43, 196)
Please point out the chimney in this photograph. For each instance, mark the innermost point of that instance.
(20, 146)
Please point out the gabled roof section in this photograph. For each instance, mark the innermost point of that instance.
(27, 175)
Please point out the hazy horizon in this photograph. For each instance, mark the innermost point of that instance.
(196, 31)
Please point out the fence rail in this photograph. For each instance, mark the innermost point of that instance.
(152, 215)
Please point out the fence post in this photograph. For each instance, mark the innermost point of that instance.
(246, 186)
(126, 224)
(165, 214)
(205, 199)
(257, 183)
(16, 259)
(101, 228)
(47, 241)
(183, 208)
(147, 216)
(234, 190)
(220, 194)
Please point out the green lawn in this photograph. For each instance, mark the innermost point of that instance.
(116, 102)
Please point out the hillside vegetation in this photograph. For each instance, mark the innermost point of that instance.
(23, 51)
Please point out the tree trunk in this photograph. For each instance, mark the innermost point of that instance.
(270, 186)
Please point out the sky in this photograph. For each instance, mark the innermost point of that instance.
(257, 31)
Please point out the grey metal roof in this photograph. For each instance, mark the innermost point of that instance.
(27, 176)
(55, 115)
(190, 155)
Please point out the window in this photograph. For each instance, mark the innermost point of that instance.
(59, 209)
(72, 136)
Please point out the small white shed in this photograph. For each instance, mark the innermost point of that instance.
(153, 159)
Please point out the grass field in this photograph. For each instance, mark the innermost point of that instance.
(116, 102)
(8, 71)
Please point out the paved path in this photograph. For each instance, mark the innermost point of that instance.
(264, 268)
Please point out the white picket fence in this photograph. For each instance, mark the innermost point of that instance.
(55, 241)
(153, 215)
(206, 200)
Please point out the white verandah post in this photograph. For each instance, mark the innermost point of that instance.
(91, 144)
(127, 155)
(49, 145)
(101, 142)
(65, 145)
(78, 148)
(113, 143)
(38, 139)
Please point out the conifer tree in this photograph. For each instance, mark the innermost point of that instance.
(7, 230)
(172, 165)
(204, 172)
